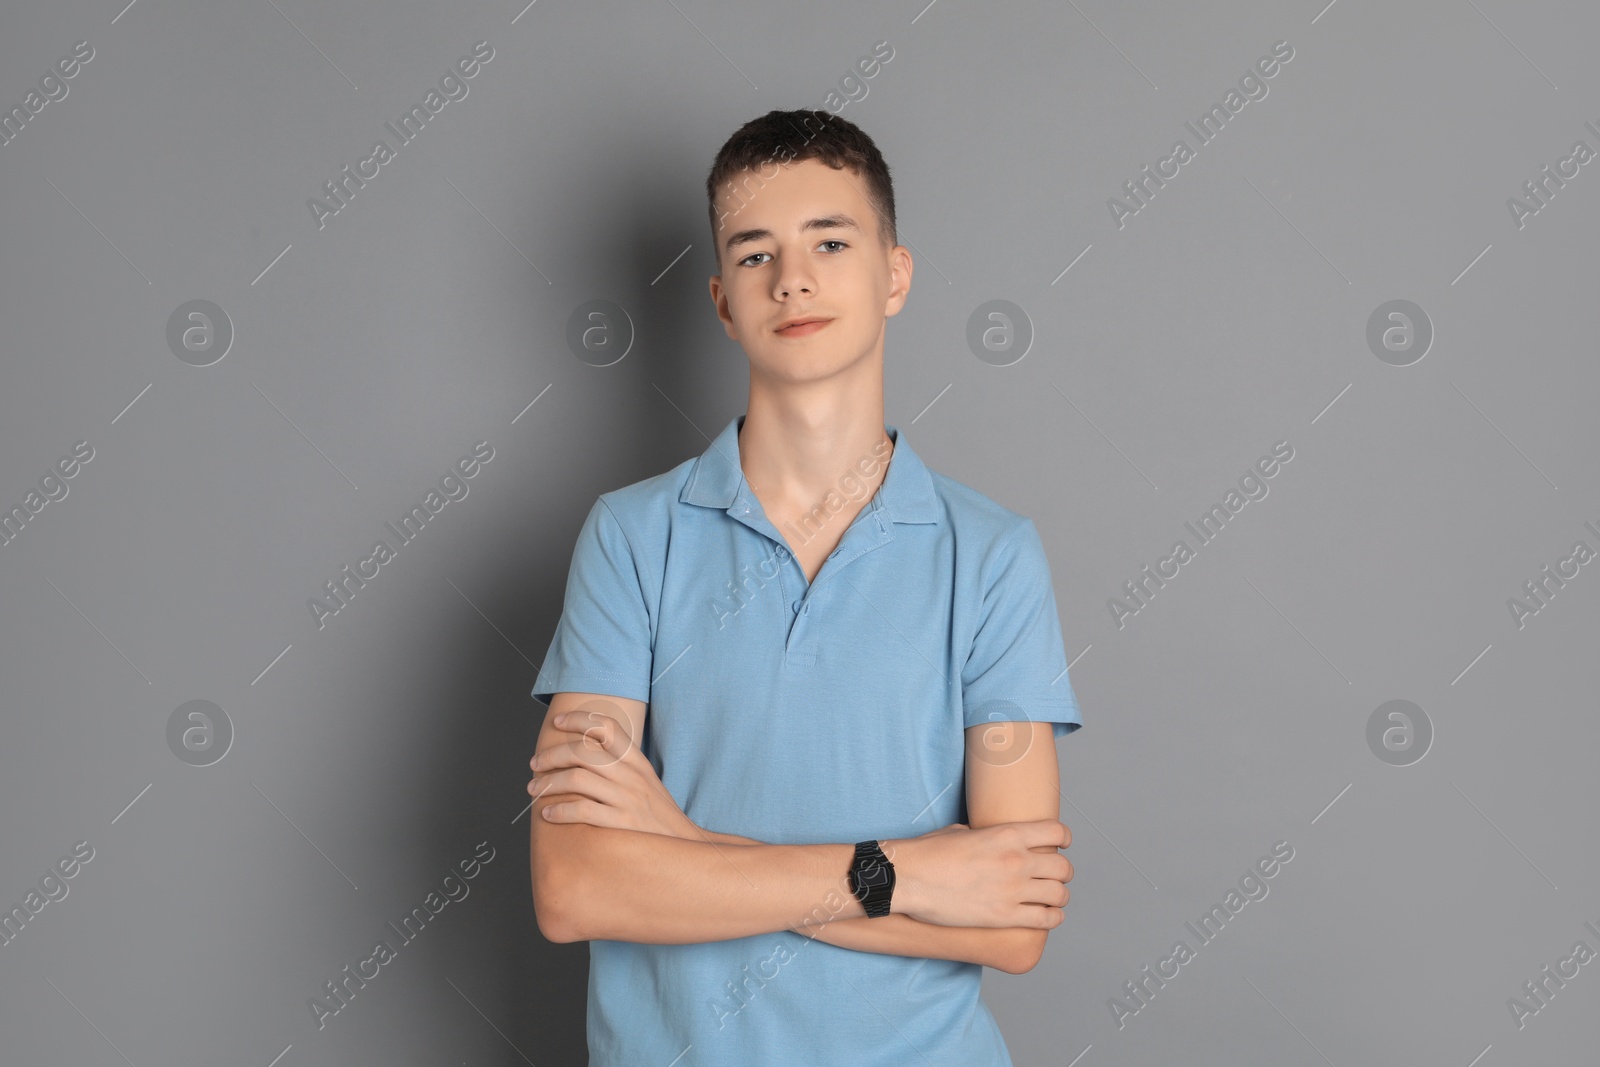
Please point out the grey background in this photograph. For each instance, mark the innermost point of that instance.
(1230, 313)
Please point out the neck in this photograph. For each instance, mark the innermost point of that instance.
(797, 446)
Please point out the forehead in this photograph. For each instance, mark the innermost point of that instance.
(794, 193)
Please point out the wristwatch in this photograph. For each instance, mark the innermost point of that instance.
(872, 878)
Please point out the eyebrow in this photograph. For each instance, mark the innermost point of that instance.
(827, 222)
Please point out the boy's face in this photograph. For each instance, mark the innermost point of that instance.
(805, 244)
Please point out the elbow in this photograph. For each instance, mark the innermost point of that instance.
(552, 906)
(550, 928)
(558, 894)
(551, 912)
(1025, 952)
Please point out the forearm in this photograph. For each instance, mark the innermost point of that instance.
(588, 884)
(1002, 947)
(901, 935)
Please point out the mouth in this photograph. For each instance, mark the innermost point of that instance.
(802, 327)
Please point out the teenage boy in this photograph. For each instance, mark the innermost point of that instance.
(850, 658)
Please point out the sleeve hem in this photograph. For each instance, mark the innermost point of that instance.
(608, 683)
(1065, 714)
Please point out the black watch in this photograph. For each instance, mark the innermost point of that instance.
(872, 878)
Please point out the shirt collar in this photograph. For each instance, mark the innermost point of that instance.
(906, 495)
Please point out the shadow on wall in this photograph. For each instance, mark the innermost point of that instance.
(601, 427)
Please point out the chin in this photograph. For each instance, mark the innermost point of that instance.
(799, 372)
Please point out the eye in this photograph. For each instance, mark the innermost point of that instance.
(747, 260)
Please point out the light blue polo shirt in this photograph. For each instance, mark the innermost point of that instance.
(796, 713)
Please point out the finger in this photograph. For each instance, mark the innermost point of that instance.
(583, 811)
(1046, 832)
(605, 738)
(1051, 865)
(595, 724)
(581, 781)
(1044, 891)
(577, 722)
(577, 753)
(601, 745)
(1035, 917)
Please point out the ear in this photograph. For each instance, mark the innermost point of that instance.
(900, 268)
(719, 300)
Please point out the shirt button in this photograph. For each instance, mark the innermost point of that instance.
(795, 606)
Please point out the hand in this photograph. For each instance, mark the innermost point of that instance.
(617, 785)
(957, 876)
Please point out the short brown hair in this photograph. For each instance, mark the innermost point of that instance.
(782, 137)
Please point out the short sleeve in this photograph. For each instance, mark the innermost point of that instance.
(602, 643)
(1017, 669)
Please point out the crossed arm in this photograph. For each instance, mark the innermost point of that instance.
(610, 818)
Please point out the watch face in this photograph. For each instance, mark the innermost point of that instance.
(873, 876)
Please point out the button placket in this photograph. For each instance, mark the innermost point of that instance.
(794, 652)
(797, 607)
(857, 541)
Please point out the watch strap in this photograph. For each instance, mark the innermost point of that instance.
(872, 878)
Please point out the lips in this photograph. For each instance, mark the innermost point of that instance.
(803, 327)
